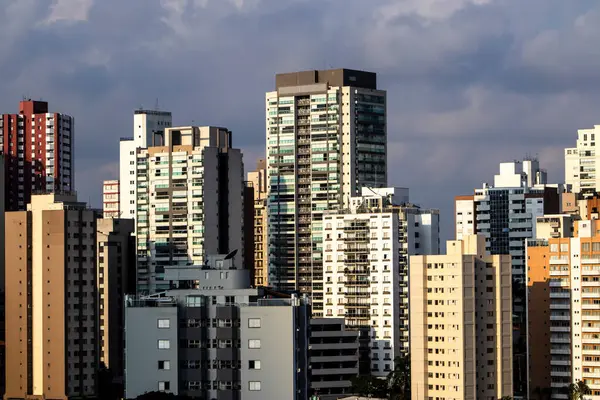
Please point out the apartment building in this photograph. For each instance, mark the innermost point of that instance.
(326, 139)
(258, 179)
(460, 320)
(148, 126)
(190, 202)
(505, 214)
(110, 199)
(52, 348)
(581, 163)
(366, 268)
(563, 298)
(221, 340)
(37, 147)
(333, 358)
(115, 251)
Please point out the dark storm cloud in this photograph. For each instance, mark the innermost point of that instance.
(470, 83)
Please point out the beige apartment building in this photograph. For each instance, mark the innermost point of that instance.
(461, 323)
(51, 326)
(258, 179)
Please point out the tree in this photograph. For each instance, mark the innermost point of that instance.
(576, 391)
(369, 386)
(398, 381)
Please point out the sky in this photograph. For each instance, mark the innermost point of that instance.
(471, 83)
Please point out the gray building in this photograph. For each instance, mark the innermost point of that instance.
(333, 358)
(220, 340)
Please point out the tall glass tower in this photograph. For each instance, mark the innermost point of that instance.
(326, 140)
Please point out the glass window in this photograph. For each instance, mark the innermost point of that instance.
(254, 385)
(164, 344)
(254, 364)
(164, 364)
(254, 344)
(253, 322)
(163, 386)
(164, 323)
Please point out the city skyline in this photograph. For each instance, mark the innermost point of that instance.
(438, 114)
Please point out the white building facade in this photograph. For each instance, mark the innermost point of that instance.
(366, 267)
(146, 125)
(582, 162)
(189, 202)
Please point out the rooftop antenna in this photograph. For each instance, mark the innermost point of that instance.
(156, 107)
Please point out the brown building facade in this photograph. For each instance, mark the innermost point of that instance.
(51, 346)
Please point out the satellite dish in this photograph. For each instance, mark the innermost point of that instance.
(231, 255)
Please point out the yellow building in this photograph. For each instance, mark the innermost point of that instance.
(461, 323)
(258, 179)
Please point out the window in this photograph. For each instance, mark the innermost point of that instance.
(254, 364)
(164, 323)
(254, 344)
(164, 344)
(164, 365)
(253, 322)
(254, 385)
(162, 386)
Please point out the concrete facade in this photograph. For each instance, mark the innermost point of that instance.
(461, 323)
(146, 125)
(581, 163)
(191, 186)
(326, 139)
(219, 328)
(38, 153)
(52, 349)
(258, 179)
(563, 299)
(115, 250)
(110, 199)
(366, 268)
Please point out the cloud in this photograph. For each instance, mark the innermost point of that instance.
(69, 11)
(471, 83)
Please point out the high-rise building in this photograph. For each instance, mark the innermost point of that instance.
(2, 260)
(582, 162)
(190, 202)
(115, 278)
(326, 139)
(147, 126)
(52, 348)
(505, 214)
(563, 311)
(110, 199)
(366, 250)
(460, 319)
(258, 178)
(234, 342)
(38, 153)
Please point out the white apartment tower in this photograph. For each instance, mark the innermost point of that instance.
(582, 162)
(366, 267)
(189, 202)
(146, 125)
(326, 139)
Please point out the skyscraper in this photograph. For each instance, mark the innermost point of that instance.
(460, 318)
(52, 325)
(146, 125)
(190, 202)
(258, 178)
(326, 139)
(38, 157)
(582, 163)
